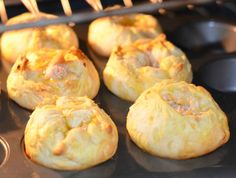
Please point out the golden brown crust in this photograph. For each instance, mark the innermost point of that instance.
(71, 134)
(134, 68)
(177, 120)
(38, 77)
(108, 32)
(18, 42)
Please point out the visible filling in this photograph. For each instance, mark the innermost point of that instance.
(23, 64)
(147, 52)
(182, 105)
(137, 57)
(55, 66)
(57, 71)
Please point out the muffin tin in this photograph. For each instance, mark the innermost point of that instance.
(4, 151)
(204, 36)
(215, 75)
(213, 68)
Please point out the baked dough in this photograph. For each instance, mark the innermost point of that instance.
(72, 134)
(177, 120)
(45, 74)
(134, 68)
(108, 32)
(18, 42)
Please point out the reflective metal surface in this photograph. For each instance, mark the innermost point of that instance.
(218, 74)
(207, 36)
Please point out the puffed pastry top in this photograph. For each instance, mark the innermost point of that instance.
(45, 74)
(108, 32)
(131, 69)
(18, 42)
(71, 134)
(177, 120)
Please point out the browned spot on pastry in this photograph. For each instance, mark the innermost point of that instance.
(58, 58)
(119, 51)
(84, 64)
(149, 48)
(59, 149)
(73, 50)
(162, 37)
(108, 128)
(77, 53)
(179, 67)
(22, 66)
(40, 89)
(29, 156)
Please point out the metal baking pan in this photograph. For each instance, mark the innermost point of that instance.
(214, 75)
(206, 36)
(129, 161)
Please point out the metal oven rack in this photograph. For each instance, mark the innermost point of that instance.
(141, 6)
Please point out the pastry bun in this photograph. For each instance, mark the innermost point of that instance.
(108, 32)
(45, 74)
(177, 120)
(71, 134)
(134, 68)
(18, 42)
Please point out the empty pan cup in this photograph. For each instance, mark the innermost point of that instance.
(206, 36)
(4, 151)
(219, 74)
